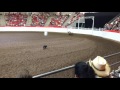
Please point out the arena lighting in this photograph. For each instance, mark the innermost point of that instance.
(88, 17)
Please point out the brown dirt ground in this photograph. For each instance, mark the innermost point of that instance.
(23, 50)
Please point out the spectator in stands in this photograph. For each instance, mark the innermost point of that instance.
(114, 25)
(83, 70)
(24, 74)
(101, 67)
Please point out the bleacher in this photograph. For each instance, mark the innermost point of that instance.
(15, 19)
(113, 25)
(75, 18)
(39, 19)
(58, 21)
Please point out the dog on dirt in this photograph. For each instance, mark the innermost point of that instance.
(44, 47)
(69, 33)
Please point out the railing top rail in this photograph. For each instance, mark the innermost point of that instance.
(52, 72)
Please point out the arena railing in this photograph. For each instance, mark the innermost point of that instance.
(114, 18)
(70, 67)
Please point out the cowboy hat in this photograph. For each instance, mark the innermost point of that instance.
(100, 66)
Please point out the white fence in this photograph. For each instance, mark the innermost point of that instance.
(94, 32)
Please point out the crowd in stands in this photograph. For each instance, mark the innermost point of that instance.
(15, 19)
(114, 25)
(75, 17)
(58, 20)
(39, 19)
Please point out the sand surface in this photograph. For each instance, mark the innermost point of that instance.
(23, 50)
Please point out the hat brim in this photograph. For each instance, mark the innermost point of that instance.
(101, 73)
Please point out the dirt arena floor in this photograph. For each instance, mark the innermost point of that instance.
(24, 50)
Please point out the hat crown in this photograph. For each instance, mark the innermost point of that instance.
(99, 63)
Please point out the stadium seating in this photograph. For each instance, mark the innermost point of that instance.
(74, 18)
(114, 25)
(15, 19)
(39, 19)
(58, 21)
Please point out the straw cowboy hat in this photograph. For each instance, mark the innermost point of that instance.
(100, 66)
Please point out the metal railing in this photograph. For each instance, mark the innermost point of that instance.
(114, 18)
(72, 66)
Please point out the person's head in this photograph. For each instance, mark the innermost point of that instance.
(100, 66)
(24, 74)
(83, 70)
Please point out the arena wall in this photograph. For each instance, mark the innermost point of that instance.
(103, 34)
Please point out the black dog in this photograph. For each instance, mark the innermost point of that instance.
(69, 33)
(45, 46)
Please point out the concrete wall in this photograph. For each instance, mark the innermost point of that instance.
(103, 34)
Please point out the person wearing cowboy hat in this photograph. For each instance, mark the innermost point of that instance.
(100, 66)
(83, 70)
